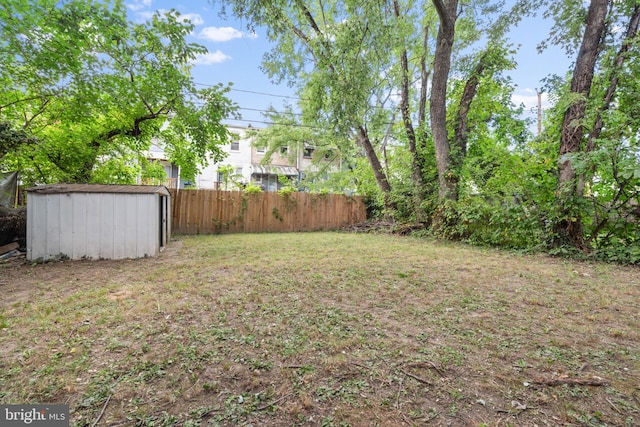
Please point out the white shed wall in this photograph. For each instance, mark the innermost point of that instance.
(92, 225)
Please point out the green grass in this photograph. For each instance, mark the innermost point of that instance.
(324, 329)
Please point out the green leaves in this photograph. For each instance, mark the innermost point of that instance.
(96, 89)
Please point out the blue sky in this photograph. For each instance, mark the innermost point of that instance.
(235, 56)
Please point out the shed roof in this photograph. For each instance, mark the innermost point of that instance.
(99, 188)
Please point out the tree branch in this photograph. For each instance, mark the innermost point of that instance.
(632, 30)
(440, 8)
(553, 382)
(424, 79)
(461, 131)
(314, 25)
(30, 98)
(41, 110)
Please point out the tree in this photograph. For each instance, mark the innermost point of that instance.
(11, 139)
(230, 179)
(335, 52)
(351, 60)
(451, 144)
(586, 154)
(448, 14)
(569, 228)
(96, 89)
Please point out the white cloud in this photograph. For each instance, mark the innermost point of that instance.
(145, 16)
(223, 34)
(195, 18)
(137, 5)
(216, 57)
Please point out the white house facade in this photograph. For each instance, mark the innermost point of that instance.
(247, 163)
(238, 156)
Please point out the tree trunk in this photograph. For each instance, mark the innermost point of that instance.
(325, 55)
(461, 129)
(568, 229)
(632, 30)
(447, 176)
(362, 137)
(424, 79)
(416, 165)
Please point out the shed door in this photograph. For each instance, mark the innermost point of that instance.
(164, 224)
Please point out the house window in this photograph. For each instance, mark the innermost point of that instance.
(284, 150)
(239, 171)
(307, 153)
(260, 150)
(235, 146)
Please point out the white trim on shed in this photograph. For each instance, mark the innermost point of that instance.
(97, 221)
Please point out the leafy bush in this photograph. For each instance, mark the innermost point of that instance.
(477, 221)
(285, 191)
(621, 253)
(252, 188)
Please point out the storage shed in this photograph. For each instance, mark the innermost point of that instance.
(97, 221)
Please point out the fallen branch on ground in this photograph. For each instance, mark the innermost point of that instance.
(262, 408)
(426, 364)
(102, 412)
(415, 377)
(553, 382)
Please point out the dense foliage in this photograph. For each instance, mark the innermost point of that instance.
(414, 95)
(84, 91)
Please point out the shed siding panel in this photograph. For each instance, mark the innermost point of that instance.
(53, 230)
(119, 229)
(66, 225)
(142, 220)
(93, 202)
(152, 229)
(79, 232)
(147, 218)
(139, 227)
(143, 227)
(37, 227)
(107, 226)
(136, 217)
(166, 220)
(29, 235)
(131, 237)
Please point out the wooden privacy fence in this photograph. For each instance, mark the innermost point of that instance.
(215, 212)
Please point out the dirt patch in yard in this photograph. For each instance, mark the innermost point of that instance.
(21, 280)
(323, 329)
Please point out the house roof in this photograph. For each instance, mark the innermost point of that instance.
(99, 188)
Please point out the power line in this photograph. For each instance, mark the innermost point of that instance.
(253, 92)
(266, 94)
(270, 111)
(259, 110)
(274, 123)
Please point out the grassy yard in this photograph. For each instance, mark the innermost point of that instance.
(324, 329)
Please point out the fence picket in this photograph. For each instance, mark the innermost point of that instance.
(218, 212)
